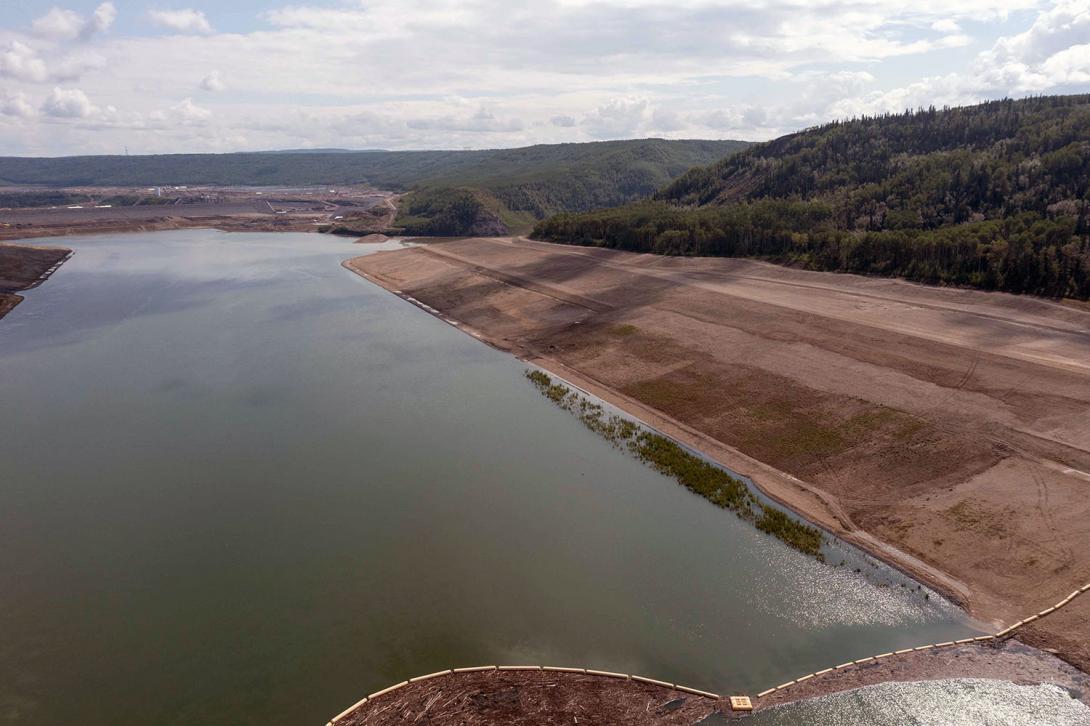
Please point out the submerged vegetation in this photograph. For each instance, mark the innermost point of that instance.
(692, 472)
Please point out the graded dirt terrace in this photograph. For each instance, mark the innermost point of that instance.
(945, 430)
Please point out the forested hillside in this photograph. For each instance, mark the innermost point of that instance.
(528, 183)
(512, 188)
(991, 196)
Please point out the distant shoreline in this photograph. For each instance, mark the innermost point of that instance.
(226, 209)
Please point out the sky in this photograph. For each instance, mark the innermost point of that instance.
(91, 77)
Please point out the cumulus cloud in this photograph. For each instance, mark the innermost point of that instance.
(101, 19)
(185, 113)
(59, 23)
(68, 103)
(439, 73)
(213, 82)
(15, 104)
(946, 25)
(718, 119)
(1052, 52)
(667, 120)
(182, 21)
(62, 24)
(616, 118)
(21, 62)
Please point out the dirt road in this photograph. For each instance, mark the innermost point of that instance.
(946, 430)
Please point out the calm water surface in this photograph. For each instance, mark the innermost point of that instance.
(240, 484)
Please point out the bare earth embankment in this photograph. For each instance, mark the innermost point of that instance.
(23, 267)
(546, 696)
(947, 431)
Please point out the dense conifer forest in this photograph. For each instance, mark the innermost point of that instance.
(991, 196)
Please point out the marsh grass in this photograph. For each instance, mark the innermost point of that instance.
(692, 472)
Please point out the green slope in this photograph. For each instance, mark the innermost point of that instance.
(992, 196)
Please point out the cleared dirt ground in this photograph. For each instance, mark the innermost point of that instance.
(531, 697)
(946, 430)
(23, 267)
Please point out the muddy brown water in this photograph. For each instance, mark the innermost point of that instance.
(241, 484)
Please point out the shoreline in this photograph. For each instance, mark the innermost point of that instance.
(905, 420)
(25, 267)
(471, 692)
(723, 456)
(1007, 634)
(809, 503)
(164, 224)
(787, 491)
(230, 209)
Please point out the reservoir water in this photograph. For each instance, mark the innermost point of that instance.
(240, 484)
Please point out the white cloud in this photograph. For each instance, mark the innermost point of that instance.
(63, 24)
(190, 112)
(185, 113)
(21, 62)
(666, 120)
(946, 25)
(183, 21)
(719, 119)
(101, 19)
(618, 117)
(68, 103)
(1052, 52)
(59, 23)
(15, 105)
(447, 73)
(213, 82)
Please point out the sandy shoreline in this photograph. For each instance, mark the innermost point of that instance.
(805, 501)
(543, 304)
(790, 493)
(1005, 659)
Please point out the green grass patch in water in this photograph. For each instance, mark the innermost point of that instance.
(692, 472)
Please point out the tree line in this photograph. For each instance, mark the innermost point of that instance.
(991, 196)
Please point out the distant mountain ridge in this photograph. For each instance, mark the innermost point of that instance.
(993, 196)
